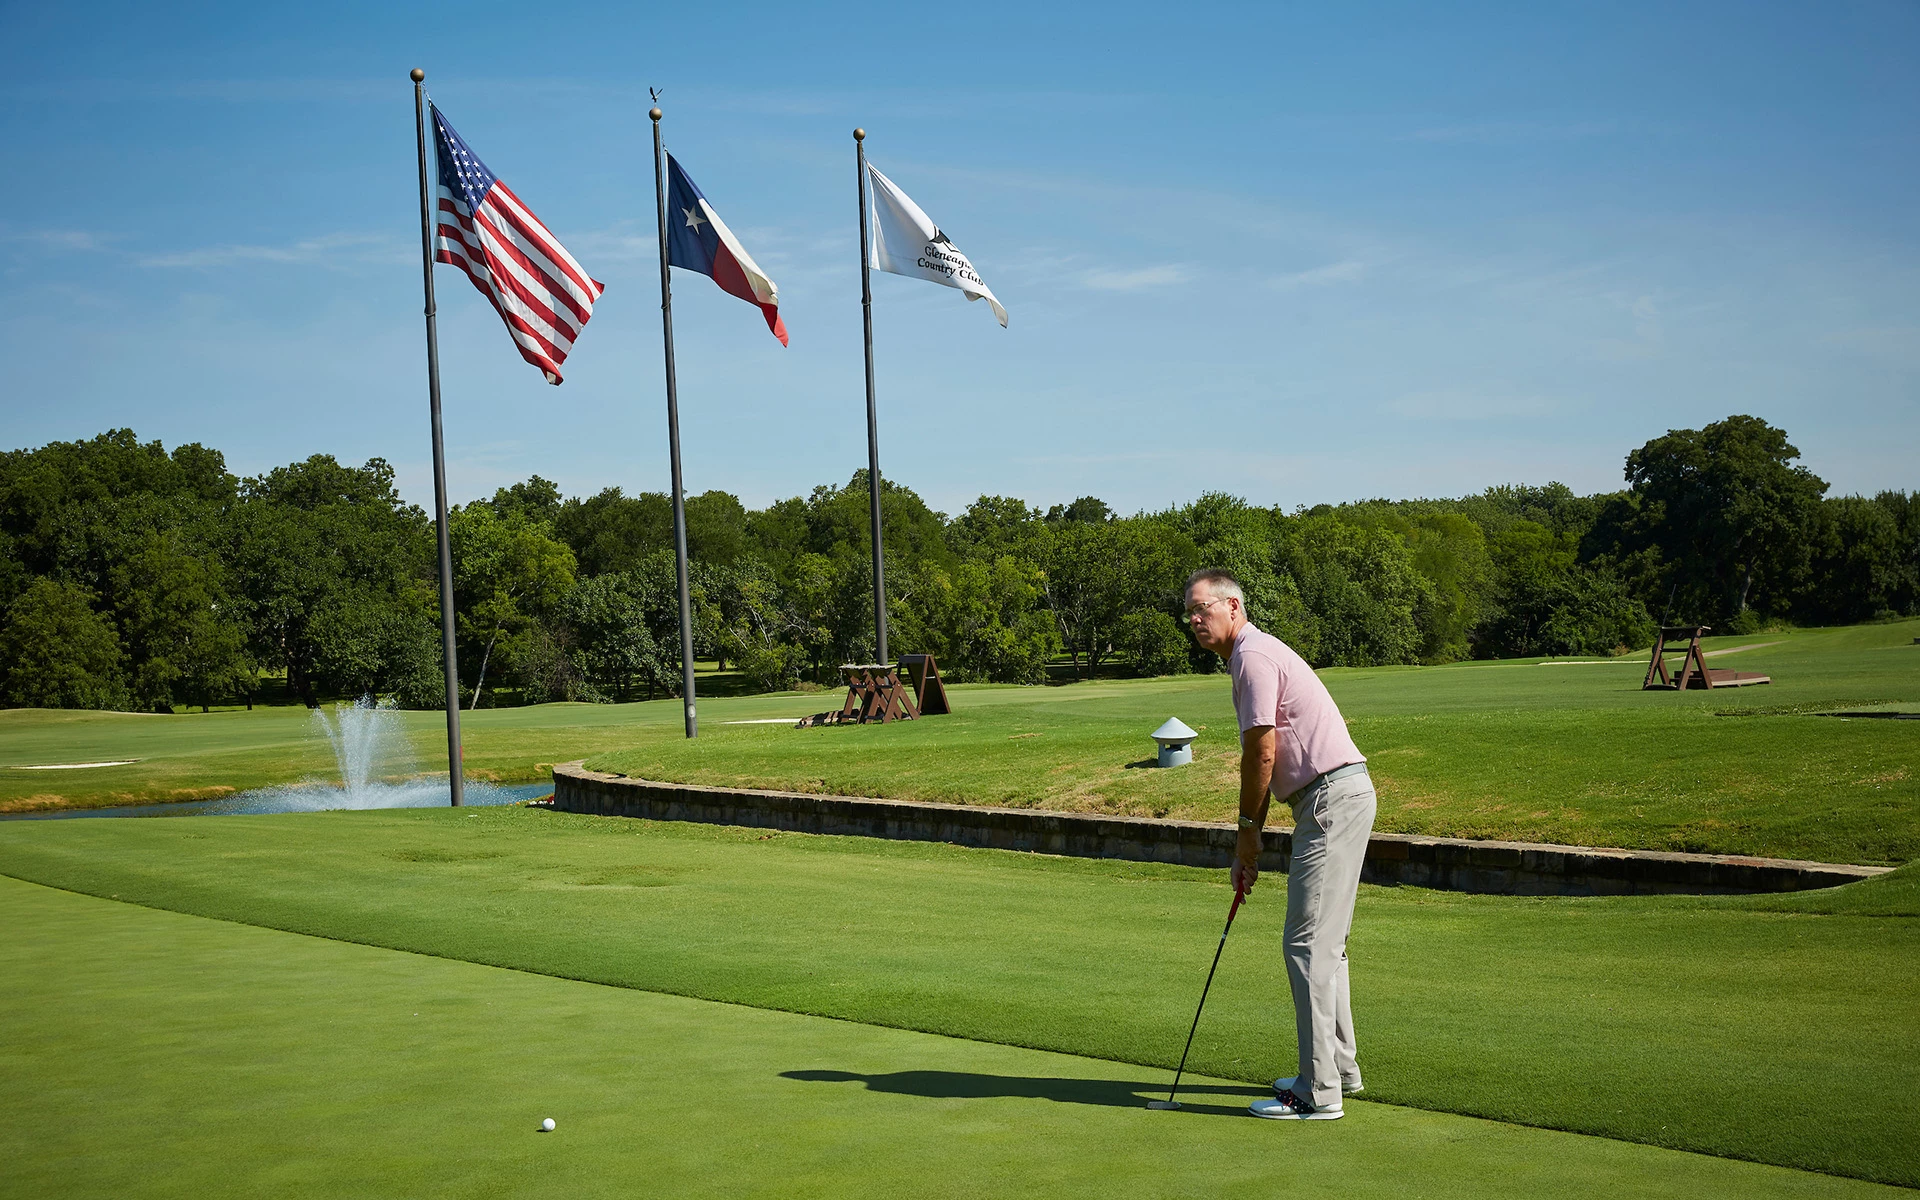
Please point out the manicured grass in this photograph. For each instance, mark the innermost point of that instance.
(1555, 753)
(153, 1054)
(1777, 1029)
(1519, 750)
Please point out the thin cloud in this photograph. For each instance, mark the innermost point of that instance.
(1899, 343)
(1492, 133)
(624, 241)
(220, 91)
(63, 240)
(1345, 271)
(1144, 277)
(1646, 319)
(332, 250)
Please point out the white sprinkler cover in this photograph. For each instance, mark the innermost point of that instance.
(1175, 730)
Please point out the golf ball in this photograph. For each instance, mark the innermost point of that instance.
(546, 1126)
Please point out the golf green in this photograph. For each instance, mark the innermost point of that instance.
(1680, 1022)
(148, 1053)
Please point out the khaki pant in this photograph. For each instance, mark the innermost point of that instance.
(1331, 823)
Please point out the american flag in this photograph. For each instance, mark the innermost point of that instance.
(544, 296)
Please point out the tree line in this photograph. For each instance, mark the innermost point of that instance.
(132, 577)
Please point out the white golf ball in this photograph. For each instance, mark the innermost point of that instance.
(546, 1126)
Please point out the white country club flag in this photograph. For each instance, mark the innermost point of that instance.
(907, 242)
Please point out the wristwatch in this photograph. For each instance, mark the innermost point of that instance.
(1247, 822)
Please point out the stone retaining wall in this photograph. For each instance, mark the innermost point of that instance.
(1454, 864)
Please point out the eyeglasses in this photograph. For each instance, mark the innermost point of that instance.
(1189, 615)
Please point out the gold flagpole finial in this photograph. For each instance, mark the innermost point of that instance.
(416, 75)
(859, 135)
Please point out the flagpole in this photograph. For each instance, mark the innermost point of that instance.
(455, 759)
(673, 435)
(873, 423)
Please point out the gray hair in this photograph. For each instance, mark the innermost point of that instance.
(1220, 582)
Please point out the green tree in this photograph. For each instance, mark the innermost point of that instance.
(993, 526)
(70, 509)
(839, 524)
(537, 500)
(746, 618)
(1546, 602)
(1155, 642)
(1904, 509)
(180, 628)
(57, 652)
(610, 639)
(1096, 573)
(981, 620)
(1251, 543)
(716, 528)
(1862, 567)
(1729, 512)
(1361, 585)
(508, 574)
(614, 532)
(143, 531)
(324, 558)
(1091, 510)
(1450, 551)
(1554, 506)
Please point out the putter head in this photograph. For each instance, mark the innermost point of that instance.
(1163, 1105)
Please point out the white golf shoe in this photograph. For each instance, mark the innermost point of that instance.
(1289, 1107)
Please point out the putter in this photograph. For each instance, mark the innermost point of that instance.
(1239, 894)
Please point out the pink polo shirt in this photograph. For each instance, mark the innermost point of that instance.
(1274, 686)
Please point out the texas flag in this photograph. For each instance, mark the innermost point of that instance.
(699, 240)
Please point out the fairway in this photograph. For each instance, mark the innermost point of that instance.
(1653, 1019)
(153, 1054)
(1523, 750)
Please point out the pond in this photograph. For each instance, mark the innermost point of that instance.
(315, 797)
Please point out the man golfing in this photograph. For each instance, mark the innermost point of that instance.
(1294, 744)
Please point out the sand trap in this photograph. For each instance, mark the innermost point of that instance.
(118, 762)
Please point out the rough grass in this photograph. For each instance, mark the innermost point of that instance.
(1775, 1029)
(1518, 750)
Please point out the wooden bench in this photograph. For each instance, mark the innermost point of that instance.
(880, 693)
(1693, 672)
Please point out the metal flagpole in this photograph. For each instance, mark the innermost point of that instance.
(673, 434)
(455, 760)
(873, 423)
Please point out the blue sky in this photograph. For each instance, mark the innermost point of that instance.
(1299, 253)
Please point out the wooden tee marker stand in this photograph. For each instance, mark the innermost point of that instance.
(1693, 672)
(929, 693)
(877, 692)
